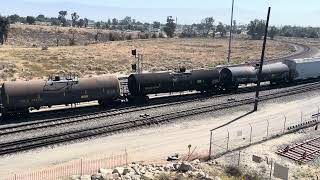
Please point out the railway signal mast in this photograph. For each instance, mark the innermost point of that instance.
(230, 38)
(261, 61)
(137, 67)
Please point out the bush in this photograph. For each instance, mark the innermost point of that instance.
(143, 36)
(164, 176)
(233, 171)
(72, 42)
(113, 36)
(161, 35)
(154, 36)
(188, 33)
(129, 37)
(252, 177)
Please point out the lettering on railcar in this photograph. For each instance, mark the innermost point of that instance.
(84, 96)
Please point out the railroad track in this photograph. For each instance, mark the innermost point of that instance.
(302, 152)
(32, 143)
(68, 120)
(34, 125)
(305, 50)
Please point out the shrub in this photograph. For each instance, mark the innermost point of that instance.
(188, 33)
(164, 176)
(252, 177)
(233, 171)
(143, 36)
(114, 36)
(161, 35)
(72, 42)
(129, 37)
(154, 35)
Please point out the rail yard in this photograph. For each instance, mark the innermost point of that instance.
(140, 99)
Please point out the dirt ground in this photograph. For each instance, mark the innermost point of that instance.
(155, 144)
(115, 57)
(267, 152)
(313, 42)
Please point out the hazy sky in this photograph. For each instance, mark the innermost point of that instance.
(292, 12)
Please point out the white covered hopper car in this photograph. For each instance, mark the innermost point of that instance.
(302, 69)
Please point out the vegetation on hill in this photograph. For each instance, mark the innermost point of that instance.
(206, 28)
(4, 29)
(115, 57)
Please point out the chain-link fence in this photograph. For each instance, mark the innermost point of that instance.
(243, 134)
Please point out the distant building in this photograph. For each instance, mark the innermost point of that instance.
(43, 23)
(154, 30)
(91, 24)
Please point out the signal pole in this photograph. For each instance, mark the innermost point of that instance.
(230, 38)
(261, 61)
(139, 66)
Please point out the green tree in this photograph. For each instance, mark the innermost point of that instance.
(235, 27)
(126, 21)
(256, 29)
(74, 18)
(4, 29)
(188, 32)
(115, 22)
(146, 26)
(62, 18)
(14, 18)
(31, 19)
(207, 25)
(273, 32)
(170, 27)
(156, 25)
(55, 21)
(109, 22)
(313, 34)
(41, 18)
(86, 22)
(81, 23)
(98, 25)
(221, 29)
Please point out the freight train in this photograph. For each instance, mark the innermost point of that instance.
(21, 96)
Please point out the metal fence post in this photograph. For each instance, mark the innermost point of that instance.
(81, 167)
(228, 140)
(301, 117)
(270, 176)
(284, 124)
(318, 114)
(239, 158)
(126, 156)
(268, 128)
(250, 132)
(210, 145)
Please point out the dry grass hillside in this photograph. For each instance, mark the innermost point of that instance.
(19, 59)
(37, 36)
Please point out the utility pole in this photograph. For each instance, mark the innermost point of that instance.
(230, 38)
(176, 23)
(261, 61)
